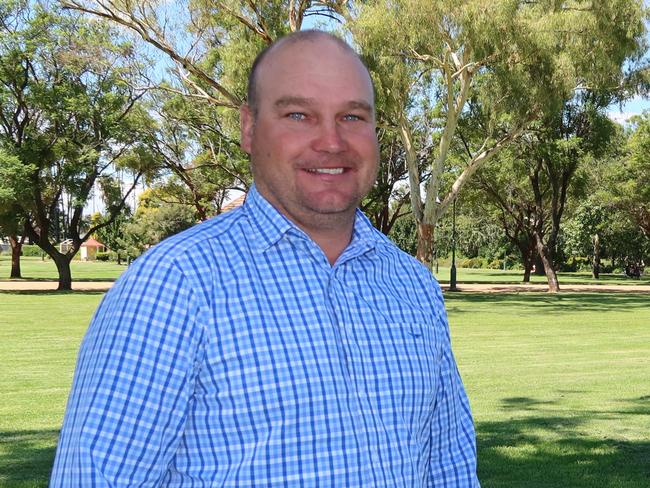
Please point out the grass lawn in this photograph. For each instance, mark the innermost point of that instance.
(34, 268)
(558, 384)
(467, 275)
(39, 338)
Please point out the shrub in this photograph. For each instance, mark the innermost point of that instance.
(477, 262)
(495, 264)
(103, 256)
(32, 250)
(576, 263)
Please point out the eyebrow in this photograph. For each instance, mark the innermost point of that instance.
(285, 101)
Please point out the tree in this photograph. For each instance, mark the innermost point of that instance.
(386, 202)
(515, 62)
(154, 220)
(219, 38)
(224, 38)
(198, 152)
(112, 234)
(632, 189)
(586, 232)
(69, 112)
(532, 182)
(14, 188)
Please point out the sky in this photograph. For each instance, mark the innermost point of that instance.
(635, 106)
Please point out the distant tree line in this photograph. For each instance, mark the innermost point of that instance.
(497, 106)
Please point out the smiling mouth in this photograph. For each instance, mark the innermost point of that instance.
(326, 171)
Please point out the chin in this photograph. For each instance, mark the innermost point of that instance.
(333, 209)
(332, 203)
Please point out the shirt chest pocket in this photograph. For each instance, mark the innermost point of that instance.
(396, 366)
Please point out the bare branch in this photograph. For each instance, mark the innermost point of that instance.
(152, 35)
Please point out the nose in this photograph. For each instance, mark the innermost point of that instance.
(329, 138)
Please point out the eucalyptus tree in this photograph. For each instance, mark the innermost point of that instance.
(70, 114)
(516, 62)
(210, 46)
(211, 43)
(532, 182)
(198, 152)
(388, 200)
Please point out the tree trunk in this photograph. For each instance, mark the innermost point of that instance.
(544, 256)
(62, 262)
(16, 248)
(425, 243)
(527, 251)
(595, 265)
(540, 267)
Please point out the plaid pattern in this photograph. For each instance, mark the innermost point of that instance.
(233, 354)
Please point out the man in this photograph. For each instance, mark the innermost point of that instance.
(286, 343)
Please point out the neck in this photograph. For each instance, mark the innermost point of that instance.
(332, 240)
(332, 232)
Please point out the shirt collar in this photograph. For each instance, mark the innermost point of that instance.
(269, 226)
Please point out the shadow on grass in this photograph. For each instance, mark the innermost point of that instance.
(537, 303)
(547, 450)
(52, 293)
(26, 457)
(543, 450)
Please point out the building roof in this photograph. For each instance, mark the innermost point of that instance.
(237, 202)
(92, 243)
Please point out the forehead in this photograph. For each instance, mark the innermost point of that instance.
(315, 68)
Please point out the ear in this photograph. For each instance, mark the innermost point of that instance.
(246, 122)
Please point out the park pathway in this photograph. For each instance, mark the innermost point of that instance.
(26, 285)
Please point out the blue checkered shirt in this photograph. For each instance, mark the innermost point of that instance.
(233, 354)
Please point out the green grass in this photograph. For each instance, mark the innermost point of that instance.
(34, 268)
(559, 385)
(39, 338)
(467, 275)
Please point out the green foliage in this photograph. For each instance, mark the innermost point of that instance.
(616, 208)
(472, 263)
(111, 232)
(15, 188)
(103, 256)
(32, 251)
(631, 180)
(590, 218)
(153, 221)
(460, 80)
(576, 263)
(404, 234)
(71, 116)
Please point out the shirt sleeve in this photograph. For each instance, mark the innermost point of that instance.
(453, 440)
(133, 381)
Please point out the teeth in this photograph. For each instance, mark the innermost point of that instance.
(327, 171)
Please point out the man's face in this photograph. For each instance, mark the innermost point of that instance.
(313, 147)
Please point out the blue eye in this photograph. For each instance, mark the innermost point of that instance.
(351, 117)
(296, 116)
